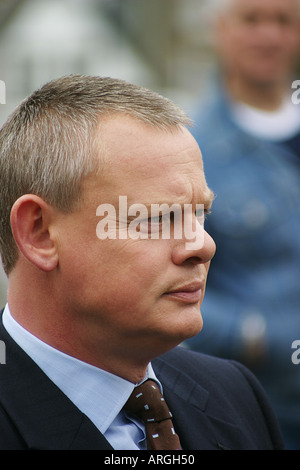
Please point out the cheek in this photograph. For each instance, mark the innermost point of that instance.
(130, 270)
(291, 46)
(117, 277)
(232, 50)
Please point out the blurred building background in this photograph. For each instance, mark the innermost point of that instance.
(160, 44)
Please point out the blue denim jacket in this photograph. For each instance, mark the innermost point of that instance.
(255, 222)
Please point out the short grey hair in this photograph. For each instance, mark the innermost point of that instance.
(46, 145)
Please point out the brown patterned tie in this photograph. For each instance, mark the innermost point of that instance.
(147, 403)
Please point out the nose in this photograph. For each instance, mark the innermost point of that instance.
(194, 253)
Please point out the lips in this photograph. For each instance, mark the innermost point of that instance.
(188, 293)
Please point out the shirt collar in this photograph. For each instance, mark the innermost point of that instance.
(103, 395)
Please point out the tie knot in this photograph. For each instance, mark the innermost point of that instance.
(147, 402)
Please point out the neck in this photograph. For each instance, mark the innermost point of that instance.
(67, 332)
(266, 96)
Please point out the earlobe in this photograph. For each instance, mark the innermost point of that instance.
(31, 227)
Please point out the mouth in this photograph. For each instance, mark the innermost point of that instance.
(189, 293)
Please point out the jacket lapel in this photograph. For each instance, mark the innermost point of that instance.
(188, 402)
(43, 414)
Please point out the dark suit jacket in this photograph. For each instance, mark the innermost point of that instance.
(216, 404)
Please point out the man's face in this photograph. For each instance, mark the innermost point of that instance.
(259, 40)
(139, 293)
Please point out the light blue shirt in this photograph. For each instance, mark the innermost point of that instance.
(99, 394)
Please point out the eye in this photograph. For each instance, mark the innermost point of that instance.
(284, 20)
(156, 220)
(206, 213)
(250, 19)
(155, 223)
(201, 214)
(152, 224)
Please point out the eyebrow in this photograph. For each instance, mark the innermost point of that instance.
(206, 198)
(207, 201)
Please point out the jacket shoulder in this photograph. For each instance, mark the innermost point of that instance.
(235, 394)
(212, 372)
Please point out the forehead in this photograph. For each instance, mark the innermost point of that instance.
(149, 163)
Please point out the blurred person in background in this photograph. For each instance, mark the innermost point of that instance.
(249, 132)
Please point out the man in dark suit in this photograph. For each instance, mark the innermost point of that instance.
(103, 198)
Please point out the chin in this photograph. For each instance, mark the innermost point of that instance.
(180, 325)
(191, 326)
(267, 77)
(165, 341)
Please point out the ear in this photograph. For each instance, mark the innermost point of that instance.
(31, 225)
